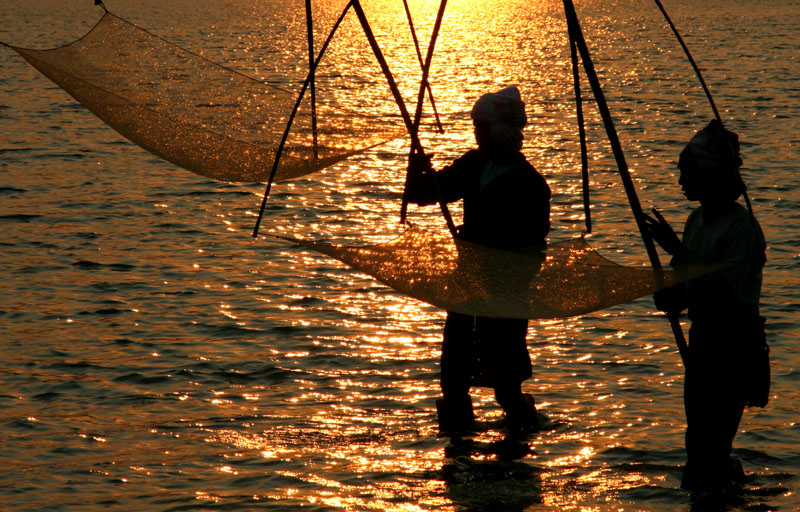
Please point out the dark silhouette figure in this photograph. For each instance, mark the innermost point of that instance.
(727, 366)
(506, 205)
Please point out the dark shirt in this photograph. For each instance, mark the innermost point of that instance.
(506, 201)
(732, 293)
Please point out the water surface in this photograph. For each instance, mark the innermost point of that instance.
(153, 356)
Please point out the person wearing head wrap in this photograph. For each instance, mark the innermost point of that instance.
(506, 204)
(711, 161)
(501, 117)
(727, 365)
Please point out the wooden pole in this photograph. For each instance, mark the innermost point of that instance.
(716, 114)
(422, 66)
(310, 32)
(576, 35)
(587, 212)
(282, 144)
(426, 66)
(410, 124)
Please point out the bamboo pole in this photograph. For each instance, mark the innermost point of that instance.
(420, 99)
(439, 127)
(282, 144)
(716, 114)
(587, 212)
(576, 35)
(411, 125)
(310, 33)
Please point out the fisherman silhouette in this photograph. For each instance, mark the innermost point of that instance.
(727, 365)
(506, 205)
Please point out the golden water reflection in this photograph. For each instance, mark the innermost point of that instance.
(362, 443)
(333, 389)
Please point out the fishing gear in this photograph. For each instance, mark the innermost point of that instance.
(310, 34)
(412, 126)
(576, 37)
(282, 144)
(439, 127)
(417, 118)
(716, 114)
(587, 212)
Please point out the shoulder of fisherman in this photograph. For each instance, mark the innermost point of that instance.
(506, 201)
(736, 241)
(508, 205)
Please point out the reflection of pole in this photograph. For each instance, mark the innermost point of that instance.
(576, 37)
(310, 31)
(587, 212)
(282, 144)
(426, 66)
(410, 124)
(422, 66)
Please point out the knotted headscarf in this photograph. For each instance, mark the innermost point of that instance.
(504, 112)
(713, 148)
(714, 152)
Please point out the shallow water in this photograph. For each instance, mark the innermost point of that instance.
(153, 356)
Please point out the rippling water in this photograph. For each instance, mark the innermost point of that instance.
(154, 357)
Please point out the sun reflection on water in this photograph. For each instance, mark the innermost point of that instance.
(327, 398)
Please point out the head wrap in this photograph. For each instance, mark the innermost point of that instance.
(504, 112)
(713, 149)
(714, 153)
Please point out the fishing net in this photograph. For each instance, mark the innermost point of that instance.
(563, 279)
(227, 126)
(199, 115)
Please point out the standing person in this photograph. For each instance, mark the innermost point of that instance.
(727, 365)
(506, 205)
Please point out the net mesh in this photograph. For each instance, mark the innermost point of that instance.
(563, 279)
(199, 115)
(226, 126)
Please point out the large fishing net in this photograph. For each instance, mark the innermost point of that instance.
(562, 279)
(201, 116)
(227, 126)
